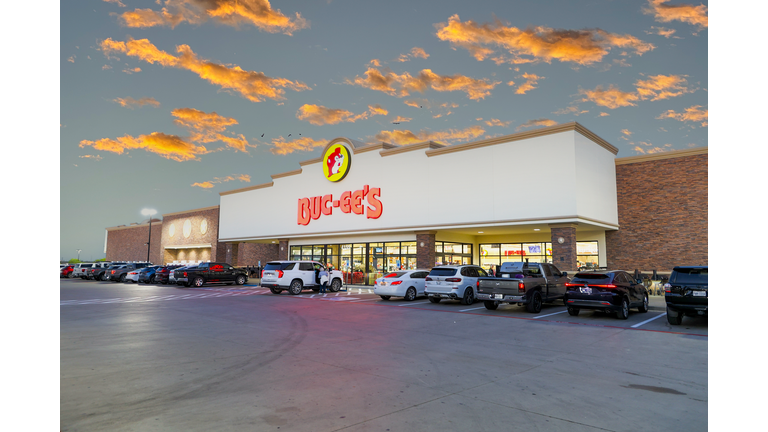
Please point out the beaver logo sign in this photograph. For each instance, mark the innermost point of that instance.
(336, 162)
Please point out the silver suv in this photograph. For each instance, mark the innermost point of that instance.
(296, 276)
(455, 282)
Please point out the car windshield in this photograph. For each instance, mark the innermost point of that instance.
(395, 274)
(442, 272)
(690, 276)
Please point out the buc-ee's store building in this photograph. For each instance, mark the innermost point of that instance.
(556, 194)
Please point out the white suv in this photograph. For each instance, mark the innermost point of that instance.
(453, 282)
(295, 276)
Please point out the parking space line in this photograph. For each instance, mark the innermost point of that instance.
(355, 301)
(412, 304)
(542, 316)
(464, 310)
(648, 320)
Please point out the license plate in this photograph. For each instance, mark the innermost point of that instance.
(383, 284)
(699, 293)
(499, 296)
(584, 290)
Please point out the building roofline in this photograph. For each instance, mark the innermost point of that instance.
(122, 227)
(248, 188)
(190, 211)
(663, 155)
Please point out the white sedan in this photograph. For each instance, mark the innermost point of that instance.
(132, 276)
(404, 283)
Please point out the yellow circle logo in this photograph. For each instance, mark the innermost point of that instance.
(336, 162)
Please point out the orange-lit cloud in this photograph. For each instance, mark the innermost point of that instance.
(604, 114)
(217, 180)
(691, 114)
(399, 119)
(204, 185)
(415, 52)
(130, 102)
(254, 86)
(530, 83)
(319, 115)
(538, 43)
(168, 146)
(258, 13)
(537, 122)
(573, 110)
(374, 62)
(71, 59)
(662, 87)
(626, 132)
(418, 103)
(106, 67)
(130, 71)
(405, 137)
(641, 150)
(661, 31)
(611, 98)
(117, 2)
(663, 12)
(283, 147)
(94, 157)
(209, 127)
(403, 85)
(497, 122)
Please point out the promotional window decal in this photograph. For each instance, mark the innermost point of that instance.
(336, 162)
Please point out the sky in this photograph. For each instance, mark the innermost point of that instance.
(164, 104)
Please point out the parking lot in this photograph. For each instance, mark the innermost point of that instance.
(154, 357)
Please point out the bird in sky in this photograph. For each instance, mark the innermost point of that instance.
(289, 134)
(262, 135)
(395, 123)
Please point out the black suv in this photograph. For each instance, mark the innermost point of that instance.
(686, 293)
(609, 291)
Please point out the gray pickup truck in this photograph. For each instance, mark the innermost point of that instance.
(523, 283)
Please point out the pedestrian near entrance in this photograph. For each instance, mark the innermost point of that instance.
(323, 280)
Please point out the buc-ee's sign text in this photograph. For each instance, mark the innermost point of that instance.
(364, 201)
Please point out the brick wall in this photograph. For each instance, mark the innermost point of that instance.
(251, 253)
(197, 219)
(564, 254)
(663, 215)
(425, 255)
(129, 243)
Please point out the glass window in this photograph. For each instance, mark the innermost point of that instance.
(306, 267)
(490, 249)
(555, 271)
(511, 250)
(532, 249)
(690, 275)
(467, 271)
(468, 249)
(392, 248)
(439, 247)
(547, 270)
(442, 272)
(409, 248)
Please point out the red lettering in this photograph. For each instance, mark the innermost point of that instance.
(316, 210)
(357, 197)
(324, 206)
(344, 205)
(304, 211)
(375, 207)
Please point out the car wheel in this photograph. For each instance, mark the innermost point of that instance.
(198, 281)
(469, 296)
(385, 297)
(240, 280)
(275, 290)
(336, 285)
(122, 278)
(435, 299)
(572, 311)
(623, 313)
(644, 307)
(534, 305)
(296, 287)
(410, 295)
(151, 279)
(491, 305)
(674, 320)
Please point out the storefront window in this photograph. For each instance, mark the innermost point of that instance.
(496, 254)
(452, 253)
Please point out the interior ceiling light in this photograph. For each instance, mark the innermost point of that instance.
(479, 232)
(537, 229)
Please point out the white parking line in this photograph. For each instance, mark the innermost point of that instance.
(464, 310)
(411, 304)
(355, 301)
(542, 316)
(649, 320)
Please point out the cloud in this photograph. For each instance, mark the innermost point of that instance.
(403, 85)
(254, 86)
(319, 115)
(662, 87)
(604, 114)
(537, 122)
(374, 62)
(652, 150)
(530, 83)
(497, 122)
(695, 15)
(399, 119)
(415, 52)
(626, 132)
(117, 2)
(130, 71)
(611, 98)
(106, 67)
(217, 180)
(168, 146)
(258, 13)
(573, 110)
(540, 44)
(405, 137)
(283, 147)
(130, 102)
(691, 114)
(209, 127)
(71, 59)
(661, 31)
(94, 157)
(418, 103)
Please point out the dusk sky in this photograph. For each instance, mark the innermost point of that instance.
(166, 103)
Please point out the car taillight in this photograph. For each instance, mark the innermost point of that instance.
(396, 283)
(667, 288)
(453, 280)
(262, 273)
(280, 274)
(571, 285)
(113, 272)
(185, 274)
(132, 273)
(428, 279)
(520, 286)
(604, 286)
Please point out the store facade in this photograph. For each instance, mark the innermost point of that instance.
(547, 195)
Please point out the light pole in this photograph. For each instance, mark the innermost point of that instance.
(78, 254)
(150, 213)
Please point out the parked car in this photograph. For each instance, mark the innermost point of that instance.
(453, 282)
(97, 270)
(121, 274)
(163, 274)
(210, 272)
(524, 283)
(406, 283)
(81, 270)
(108, 271)
(66, 271)
(686, 293)
(172, 275)
(296, 276)
(609, 291)
(148, 274)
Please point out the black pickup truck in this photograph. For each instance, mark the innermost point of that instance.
(211, 272)
(529, 284)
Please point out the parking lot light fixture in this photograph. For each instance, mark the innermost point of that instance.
(78, 254)
(150, 213)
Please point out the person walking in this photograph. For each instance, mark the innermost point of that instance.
(323, 280)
